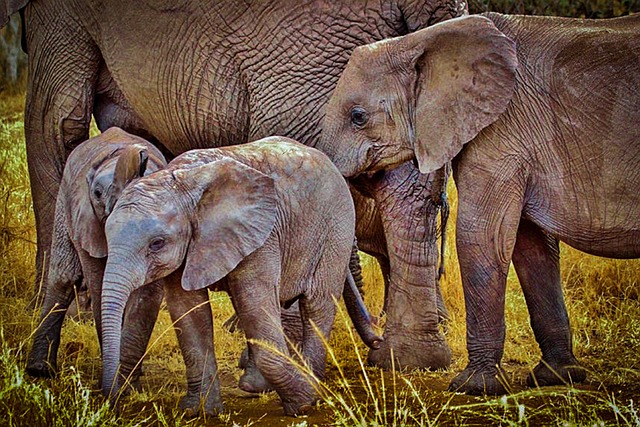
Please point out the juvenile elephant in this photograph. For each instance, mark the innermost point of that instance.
(271, 222)
(540, 117)
(241, 71)
(93, 179)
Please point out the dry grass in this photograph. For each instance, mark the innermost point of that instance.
(602, 297)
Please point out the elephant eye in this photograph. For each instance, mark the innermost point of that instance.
(156, 244)
(359, 116)
(97, 193)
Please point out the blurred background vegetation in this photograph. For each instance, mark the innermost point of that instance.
(13, 61)
(592, 9)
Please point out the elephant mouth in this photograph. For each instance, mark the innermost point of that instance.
(381, 158)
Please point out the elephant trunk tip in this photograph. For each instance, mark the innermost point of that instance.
(372, 340)
(376, 343)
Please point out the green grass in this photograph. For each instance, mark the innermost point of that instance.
(602, 298)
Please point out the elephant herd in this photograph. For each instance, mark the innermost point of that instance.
(537, 117)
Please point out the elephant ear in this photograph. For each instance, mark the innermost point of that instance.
(233, 217)
(88, 230)
(132, 163)
(465, 74)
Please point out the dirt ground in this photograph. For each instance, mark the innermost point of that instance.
(542, 406)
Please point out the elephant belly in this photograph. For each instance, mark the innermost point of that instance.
(603, 224)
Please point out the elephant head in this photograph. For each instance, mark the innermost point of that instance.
(108, 179)
(114, 167)
(423, 95)
(208, 217)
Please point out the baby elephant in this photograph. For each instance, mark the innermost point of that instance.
(270, 222)
(94, 176)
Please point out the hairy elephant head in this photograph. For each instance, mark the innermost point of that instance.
(423, 95)
(209, 217)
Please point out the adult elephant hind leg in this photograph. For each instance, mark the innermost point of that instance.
(409, 220)
(536, 260)
(58, 108)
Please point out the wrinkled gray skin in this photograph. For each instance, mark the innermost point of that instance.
(541, 118)
(200, 74)
(253, 381)
(270, 222)
(93, 179)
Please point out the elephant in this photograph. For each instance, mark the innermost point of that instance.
(190, 74)
(93, 179)
(271, 222)
(539, 117)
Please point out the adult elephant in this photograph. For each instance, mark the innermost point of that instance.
(540, 117)
(196, 74)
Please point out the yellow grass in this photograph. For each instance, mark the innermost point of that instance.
(602, 298)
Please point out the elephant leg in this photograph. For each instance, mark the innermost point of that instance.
(93, 270)
(318, 310)
(252, 287)
(370, 234)
(409, 219)
(252, 380)
(64, 276)
(536, 259)
(62, 65)
(191, 313)
(140, 317)
(485, 248)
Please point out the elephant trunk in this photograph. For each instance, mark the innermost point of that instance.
(412, 335)
(116, 289)
(356, 308)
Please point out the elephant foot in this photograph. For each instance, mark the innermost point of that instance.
(478, 382)
(193, 405)
(41, 369)
(411, 352)
(252, 381)
(296, 409)
(548, 373)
